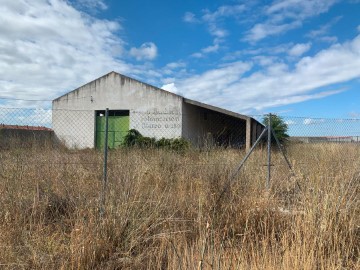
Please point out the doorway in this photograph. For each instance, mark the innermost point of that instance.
(118, 127)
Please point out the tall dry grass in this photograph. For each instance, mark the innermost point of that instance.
(163, 210)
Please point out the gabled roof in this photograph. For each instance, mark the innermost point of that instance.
(121, 75)
(186, 100)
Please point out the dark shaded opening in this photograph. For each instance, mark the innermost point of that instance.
(113, 113)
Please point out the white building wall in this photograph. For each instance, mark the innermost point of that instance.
(153, 112)
(158, 124)
(75, 128)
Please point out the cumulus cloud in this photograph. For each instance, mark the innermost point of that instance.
(48, 48)
(299, 49)
(171, 88)
(147, 51)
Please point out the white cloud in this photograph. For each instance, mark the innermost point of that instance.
(285, 100)
(215, 47)
(217, 31)
(214, 20)
(197, 55)
(279, 84)
(210, 49)
(323, 29)
(92, 4)
(212, 84)
(171, 88)
(175, 65)
(40, 117)
(329, 39)
(147, 51)
(223, 11)
(285, 15)
(48, 48)
(263, 30)
(311, 121)
(190, 18)
(290, 122)
(31, 117)
(300, 8)
(299, 49)
(354, 114)
(264, 61)
(172, 67)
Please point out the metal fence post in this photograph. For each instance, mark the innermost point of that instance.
(269, 152)
(104, 182)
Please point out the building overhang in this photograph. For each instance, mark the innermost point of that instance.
(216, 109)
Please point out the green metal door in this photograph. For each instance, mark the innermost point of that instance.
(118, 128)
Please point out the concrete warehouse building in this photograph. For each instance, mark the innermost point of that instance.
(78, 116)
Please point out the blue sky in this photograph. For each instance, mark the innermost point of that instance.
(291, 57)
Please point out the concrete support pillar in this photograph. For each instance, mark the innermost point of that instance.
(248, 134)
(253, 132)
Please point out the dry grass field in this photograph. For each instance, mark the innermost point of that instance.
(163, 210)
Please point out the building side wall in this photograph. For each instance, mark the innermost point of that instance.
(194, 128)
(153, 112)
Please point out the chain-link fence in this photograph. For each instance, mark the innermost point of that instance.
(159, 175)
(80, 129)
(84, 128)
(305, 139)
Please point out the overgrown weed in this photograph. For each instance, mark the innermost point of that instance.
(163, 210)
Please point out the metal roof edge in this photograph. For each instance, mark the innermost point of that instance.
(217, 109)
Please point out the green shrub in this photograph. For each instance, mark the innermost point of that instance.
(146, 142)
(163, 143)
(134, 138)
(180, 144)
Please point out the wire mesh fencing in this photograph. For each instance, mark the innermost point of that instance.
(166, 173)
(304, 139)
